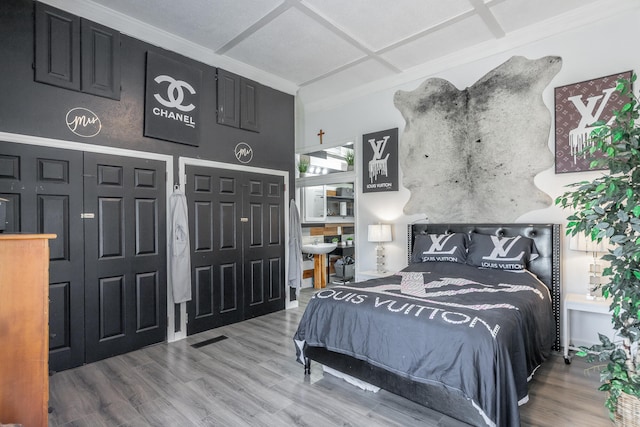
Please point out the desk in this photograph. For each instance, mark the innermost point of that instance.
(579, 302)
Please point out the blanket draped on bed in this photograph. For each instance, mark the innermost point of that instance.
(479, 332)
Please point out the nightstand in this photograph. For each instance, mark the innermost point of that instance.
(579, 302)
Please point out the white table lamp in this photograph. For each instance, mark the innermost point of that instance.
(379, 233)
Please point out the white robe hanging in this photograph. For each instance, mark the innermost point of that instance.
(179, 248)
(295, 248)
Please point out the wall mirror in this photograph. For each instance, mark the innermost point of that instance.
(325, 191)
(326, 159)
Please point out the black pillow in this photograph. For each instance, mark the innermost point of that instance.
(440, 247)
(504, 253)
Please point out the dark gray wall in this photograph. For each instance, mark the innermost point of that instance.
(31, 108)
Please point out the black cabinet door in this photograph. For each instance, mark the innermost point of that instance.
(228, 98)
(249, 91)
(75, 53)
(238, 101)
(100, 60)
(57, 47)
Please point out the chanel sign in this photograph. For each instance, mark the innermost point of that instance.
(172, 100)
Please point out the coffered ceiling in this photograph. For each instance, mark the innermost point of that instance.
(324, 48)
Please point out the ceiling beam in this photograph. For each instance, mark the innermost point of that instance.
(490, 21)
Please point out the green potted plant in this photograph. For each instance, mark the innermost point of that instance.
(303, 166)
(349, 158)
(609, 206)
(349, 241)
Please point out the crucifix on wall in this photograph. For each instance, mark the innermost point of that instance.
(320, 135)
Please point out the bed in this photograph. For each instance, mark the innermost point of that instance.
(460, 330)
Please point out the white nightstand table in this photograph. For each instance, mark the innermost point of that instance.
(579, 302)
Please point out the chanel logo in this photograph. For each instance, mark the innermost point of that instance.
(175, 93)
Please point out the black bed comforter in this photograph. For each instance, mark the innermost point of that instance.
(479, 332)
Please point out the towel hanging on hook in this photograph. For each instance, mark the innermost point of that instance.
(180, 257)
(295, 248)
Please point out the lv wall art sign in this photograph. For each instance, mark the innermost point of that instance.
(577, 107)
(380, 161)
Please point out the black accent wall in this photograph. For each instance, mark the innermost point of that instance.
(32, 108)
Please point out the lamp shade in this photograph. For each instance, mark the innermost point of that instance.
(581, 242)
(379, 233)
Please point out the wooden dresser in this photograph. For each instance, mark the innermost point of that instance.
(24, 328)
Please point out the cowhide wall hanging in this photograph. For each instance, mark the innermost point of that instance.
(471, 155)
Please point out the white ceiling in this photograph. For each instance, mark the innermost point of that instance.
(322, 48)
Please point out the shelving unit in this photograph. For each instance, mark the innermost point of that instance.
(325, 204)
(335, 209)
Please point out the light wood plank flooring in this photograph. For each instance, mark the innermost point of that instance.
(252, 379)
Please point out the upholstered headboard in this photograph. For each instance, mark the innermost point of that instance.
(546, 237)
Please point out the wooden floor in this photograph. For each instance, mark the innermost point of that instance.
(251, 378)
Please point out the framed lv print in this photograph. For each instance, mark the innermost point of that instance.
(577, 107)
(380, 161)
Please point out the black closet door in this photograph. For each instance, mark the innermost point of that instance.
(215, 206)
(43, 187)
(125, 254)
(263, 243)
(236, 226)
(107, 272)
